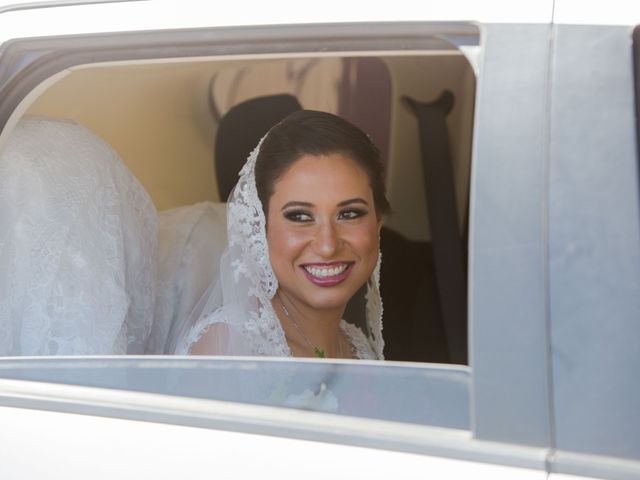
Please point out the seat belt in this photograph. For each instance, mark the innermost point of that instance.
(443, 218)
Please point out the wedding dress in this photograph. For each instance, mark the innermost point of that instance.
(238, 304)
(78, 238)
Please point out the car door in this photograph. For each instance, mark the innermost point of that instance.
(494, 417)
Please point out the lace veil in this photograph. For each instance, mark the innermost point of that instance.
(77, 245)
(238, 304)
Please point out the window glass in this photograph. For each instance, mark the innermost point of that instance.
(412, 393)
(163, 120)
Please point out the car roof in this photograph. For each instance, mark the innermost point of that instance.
(30, 19)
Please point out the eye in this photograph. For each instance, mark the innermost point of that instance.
(298, 216)
(351, 213)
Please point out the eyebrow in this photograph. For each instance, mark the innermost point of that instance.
(353, 200)
(296, 204)
(343, 203)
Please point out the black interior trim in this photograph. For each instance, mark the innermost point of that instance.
(636, 77)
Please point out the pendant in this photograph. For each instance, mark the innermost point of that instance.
(319, 352)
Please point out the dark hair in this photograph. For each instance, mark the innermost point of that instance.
(309, 132)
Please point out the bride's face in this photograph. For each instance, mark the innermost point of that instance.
(322, 231)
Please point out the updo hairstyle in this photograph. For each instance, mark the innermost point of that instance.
(309, 132)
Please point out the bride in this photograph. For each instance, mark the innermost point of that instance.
(303, 237)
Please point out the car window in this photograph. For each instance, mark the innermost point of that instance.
(414, 279)
(115, 100)
(161, 117)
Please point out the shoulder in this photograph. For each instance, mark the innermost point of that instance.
(204, 334)
(214, 339)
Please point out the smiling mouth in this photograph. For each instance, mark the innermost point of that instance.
(327, 275)
(326, 272)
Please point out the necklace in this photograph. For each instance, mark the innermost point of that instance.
(318, 352)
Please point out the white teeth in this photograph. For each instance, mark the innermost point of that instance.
(324, 272)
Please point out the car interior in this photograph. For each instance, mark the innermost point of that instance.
(185, 126)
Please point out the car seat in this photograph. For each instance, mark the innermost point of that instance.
(240, 130)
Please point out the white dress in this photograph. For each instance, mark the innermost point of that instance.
(77, 245)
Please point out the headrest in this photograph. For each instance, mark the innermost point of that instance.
(241, 129)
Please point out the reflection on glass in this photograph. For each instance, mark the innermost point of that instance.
(414, 393)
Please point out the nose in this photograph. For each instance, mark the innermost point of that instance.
(327, 240)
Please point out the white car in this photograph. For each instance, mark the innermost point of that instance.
(511, 326)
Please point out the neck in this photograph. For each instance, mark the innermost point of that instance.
(307, 329)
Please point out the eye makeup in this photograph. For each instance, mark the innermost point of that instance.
(298, 216)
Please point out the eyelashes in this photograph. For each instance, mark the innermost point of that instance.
(305, 216)
(352, 213)
(298, 216)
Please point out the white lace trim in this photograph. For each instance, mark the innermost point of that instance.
(375, 310)
(246, 229)
(361, 347)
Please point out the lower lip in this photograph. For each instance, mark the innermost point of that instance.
(328, 281)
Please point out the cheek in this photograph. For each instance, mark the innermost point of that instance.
(365, 240)
(284, 244)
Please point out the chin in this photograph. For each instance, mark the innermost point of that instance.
(329, 299)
